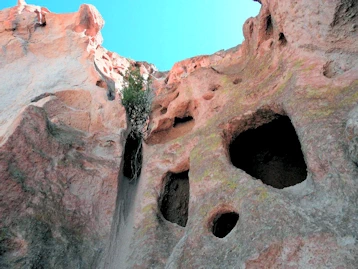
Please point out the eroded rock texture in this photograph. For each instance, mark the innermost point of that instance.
(290, 202)
(61, 138)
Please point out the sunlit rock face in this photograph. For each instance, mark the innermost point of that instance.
(62, 132)
(250, 160)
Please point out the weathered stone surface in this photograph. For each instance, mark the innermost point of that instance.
(352, 135)
(63, 138)
(302, 64)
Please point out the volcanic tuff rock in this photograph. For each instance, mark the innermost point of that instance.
(254, 150)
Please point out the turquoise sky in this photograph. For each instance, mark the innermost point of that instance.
(164, 32)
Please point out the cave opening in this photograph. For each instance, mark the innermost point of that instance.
(132, 157)
(179, 121)
(271, 152)
(174, 201)
(224, 223)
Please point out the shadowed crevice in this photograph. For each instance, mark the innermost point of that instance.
(132, 157)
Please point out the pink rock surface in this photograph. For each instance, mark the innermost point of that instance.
(300, 60)
(63, 139)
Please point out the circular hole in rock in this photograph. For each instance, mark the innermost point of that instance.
(271, 152)
(224, 223)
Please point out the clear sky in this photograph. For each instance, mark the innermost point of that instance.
(164, 32)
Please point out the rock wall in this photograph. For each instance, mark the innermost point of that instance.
(61, 138)
(226, 123)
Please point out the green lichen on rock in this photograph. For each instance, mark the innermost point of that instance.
(352, 96)
(284, 84)
(148, 209)
(203, 153)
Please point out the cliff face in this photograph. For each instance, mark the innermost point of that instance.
(251, 160)
(61, 139)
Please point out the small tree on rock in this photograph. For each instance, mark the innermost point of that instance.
(137, 99)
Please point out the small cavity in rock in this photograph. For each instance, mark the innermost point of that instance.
(282, 39)
(101, 83)
(163, 110)
(174, 201)
(214, 88)
(237, 81)
(224, 223)
(179, 121)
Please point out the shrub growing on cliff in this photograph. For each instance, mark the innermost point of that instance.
(137, 99)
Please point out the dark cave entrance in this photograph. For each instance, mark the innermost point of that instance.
(271, 152)
(132, 157)
(224, 223)
(179, 121)
(175, 198)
